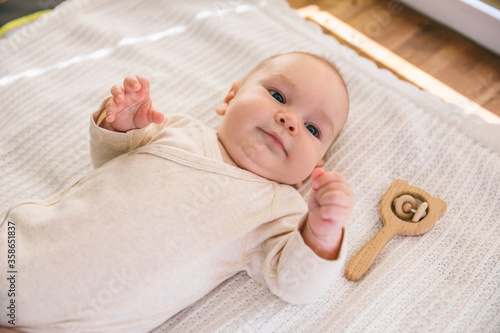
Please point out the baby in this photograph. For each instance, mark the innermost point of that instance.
(173, 208)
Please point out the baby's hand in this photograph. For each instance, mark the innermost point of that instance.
(130, 106)
(330, 204)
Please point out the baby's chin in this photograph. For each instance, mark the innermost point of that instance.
(253, 160)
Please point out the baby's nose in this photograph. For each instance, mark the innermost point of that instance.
(287, 120)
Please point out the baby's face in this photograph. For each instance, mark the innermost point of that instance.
(280, 122)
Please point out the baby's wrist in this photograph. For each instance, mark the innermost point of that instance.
(327, 247)
(107, 125)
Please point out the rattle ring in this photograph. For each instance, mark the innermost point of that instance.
(403, 206)
(406, 208)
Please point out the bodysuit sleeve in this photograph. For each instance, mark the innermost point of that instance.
(106, 145)
(283, 262)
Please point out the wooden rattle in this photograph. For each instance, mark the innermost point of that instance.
(405, 210)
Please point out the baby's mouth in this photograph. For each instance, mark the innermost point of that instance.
(275, 140)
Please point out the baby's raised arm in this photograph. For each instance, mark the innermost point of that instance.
(129, 107)
(330, 204)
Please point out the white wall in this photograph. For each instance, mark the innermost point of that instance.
(472, 18)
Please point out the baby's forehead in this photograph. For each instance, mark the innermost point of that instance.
(298, 67)
(295, 59)
(289, 64)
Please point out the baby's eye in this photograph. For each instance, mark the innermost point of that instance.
(313, 129)
(277, 96)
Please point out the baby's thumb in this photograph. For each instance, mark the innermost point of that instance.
(158, 117)
(317, 172)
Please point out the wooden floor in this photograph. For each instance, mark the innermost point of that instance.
(456, 61)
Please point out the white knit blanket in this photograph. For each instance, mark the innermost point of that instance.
(55, 72)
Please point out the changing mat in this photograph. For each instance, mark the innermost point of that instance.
(55, 72)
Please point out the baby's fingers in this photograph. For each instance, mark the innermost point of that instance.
(131, 84)
(111, 110)
(143, 81)
(118, 93)
(321, 178)
(338, 194)
(336, 216)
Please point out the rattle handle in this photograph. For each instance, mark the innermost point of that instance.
(360, 263)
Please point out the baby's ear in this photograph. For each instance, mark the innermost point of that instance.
(221, 109)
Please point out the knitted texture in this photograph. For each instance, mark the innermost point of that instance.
(55, 71)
